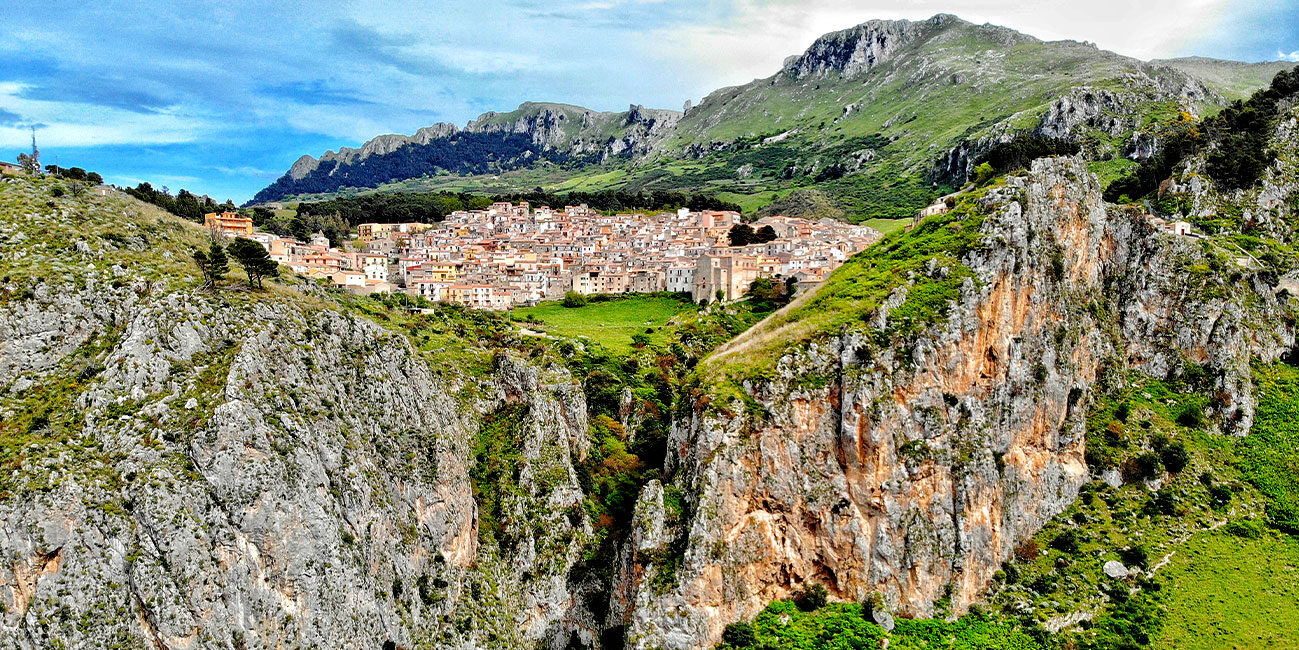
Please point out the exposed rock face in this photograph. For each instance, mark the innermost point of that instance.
(267, 475)
(914, 471)
(857, 50)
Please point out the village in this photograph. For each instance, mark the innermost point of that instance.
(512, 255)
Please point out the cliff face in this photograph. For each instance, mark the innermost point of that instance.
(185, 469)
(913, 467)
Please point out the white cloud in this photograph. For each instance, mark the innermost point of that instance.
(1282, 56)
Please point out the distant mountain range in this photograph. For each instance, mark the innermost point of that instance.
(870, 121)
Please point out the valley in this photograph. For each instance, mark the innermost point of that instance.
(941, 336)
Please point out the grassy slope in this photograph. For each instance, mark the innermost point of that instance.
(1232, 79)
(1225, 591)
(609, 323)
(957, 82)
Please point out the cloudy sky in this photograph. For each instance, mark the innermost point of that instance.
(221, 98)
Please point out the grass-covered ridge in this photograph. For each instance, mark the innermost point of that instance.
(924, 260)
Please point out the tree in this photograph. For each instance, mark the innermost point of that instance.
(213, 264)
(764, 235)
(741, 234)
(983, 173)
(573, 299)
(254, 260)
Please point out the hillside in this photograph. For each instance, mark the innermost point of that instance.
(1040, 420)
(874, 120)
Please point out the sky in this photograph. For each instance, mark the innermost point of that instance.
(220, 98)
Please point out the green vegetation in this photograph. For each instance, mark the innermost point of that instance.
(185, 204)
(611, 323)
(213, 264)
(1236, 142)
(1225, 590)
(926, 259)
(494, 474)
(1269, 455)
(254, 260)
(785, 625)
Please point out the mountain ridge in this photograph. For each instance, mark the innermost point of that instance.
(889, 112)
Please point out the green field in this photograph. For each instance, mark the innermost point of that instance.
(1225, 591)
(886, 226)
(610, 323)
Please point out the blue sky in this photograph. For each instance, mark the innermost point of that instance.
(221, 98)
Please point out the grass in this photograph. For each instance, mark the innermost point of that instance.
(1225, 591)
(887, 226)
(610, 323)
(859, 287)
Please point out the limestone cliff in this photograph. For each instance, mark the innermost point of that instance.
(186, 469)
(911, 465)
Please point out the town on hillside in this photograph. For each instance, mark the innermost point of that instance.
(512, 255)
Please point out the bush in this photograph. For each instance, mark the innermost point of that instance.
(1192, 416)
(739, 635)
(573, 299)
(813, 597)
(1134, 556)
(1066, 542)
(1144, 467)
(1175, 457)
(1028, 551)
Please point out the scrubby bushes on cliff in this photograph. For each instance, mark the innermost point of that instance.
(1235, 141)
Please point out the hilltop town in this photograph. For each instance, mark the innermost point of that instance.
(513, 254)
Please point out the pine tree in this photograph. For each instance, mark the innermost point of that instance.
(213, 264)
(254, 259)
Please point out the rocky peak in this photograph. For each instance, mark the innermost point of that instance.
(857, 50)
(303, 166)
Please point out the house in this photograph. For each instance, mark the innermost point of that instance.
(1181, 228)
(228, 223)
(11, 168)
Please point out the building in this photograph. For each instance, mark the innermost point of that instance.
(11, 168)
(228, 223)
(723, 277)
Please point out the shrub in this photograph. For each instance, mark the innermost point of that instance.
(1175, 457)
(739, 635)
(1192, 416)
(1134, 556)
(1246, 528)
(1065, 542)
(573, 299)
(1028, 551)
(813, 597)
(1143, 468)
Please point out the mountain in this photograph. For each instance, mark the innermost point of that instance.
(1039, 420)
(556, 133)
(876, 119)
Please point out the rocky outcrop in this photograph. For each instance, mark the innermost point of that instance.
(263, 474)
(911, 468)
(855, 51)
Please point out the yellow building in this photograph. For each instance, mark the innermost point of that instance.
(229, 223)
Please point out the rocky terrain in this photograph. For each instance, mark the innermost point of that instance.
(912, 467)
(894, 106)
(186, 467)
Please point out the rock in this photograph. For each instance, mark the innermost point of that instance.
(1116, 570)
(884, 620)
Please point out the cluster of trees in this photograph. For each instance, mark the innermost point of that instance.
(1236, 141)
(185, 204)
(396, 207)
(766, 294)
(302, 225)
(214, 263)
(742, 234)
(618, 200)
(75, 174)
(1022, 150)
(460, 153)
